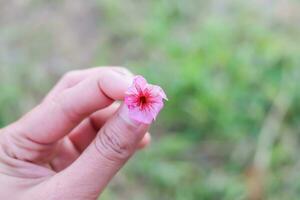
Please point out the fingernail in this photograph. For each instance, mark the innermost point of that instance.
(115, 83)
(117, 77)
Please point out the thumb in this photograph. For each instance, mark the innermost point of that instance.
(113, 146)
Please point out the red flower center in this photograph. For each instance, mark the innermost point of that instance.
(143, 100)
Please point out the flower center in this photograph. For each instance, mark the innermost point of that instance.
(143, 100)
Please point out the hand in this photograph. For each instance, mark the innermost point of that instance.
(73, 143)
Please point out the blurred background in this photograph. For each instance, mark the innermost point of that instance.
(230, 68)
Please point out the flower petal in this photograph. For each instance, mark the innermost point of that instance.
(158, 91)
(140, 115)
(139, 80)
(140, 83)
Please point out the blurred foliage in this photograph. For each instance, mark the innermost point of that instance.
(221, 62)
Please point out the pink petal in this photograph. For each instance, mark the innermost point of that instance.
(155, 109)
(158, 91)
(140, 116)
(130, 100)
(141, 81)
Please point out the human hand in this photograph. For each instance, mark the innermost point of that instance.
(73, 143)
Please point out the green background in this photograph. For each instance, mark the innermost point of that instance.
(230, 69)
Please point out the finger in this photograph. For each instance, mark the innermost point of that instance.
(145, 142)
(52, 120)
(67, 153)
(113, 146)
(85, 133)
(72, 78)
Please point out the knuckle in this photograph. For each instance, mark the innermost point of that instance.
(112, 146)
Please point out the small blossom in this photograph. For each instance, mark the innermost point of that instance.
(144, 100)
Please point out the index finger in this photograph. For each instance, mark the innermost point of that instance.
(53, 119)
(72, 78)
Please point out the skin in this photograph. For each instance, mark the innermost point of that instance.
(74, 142)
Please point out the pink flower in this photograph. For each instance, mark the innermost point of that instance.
(144, 100)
